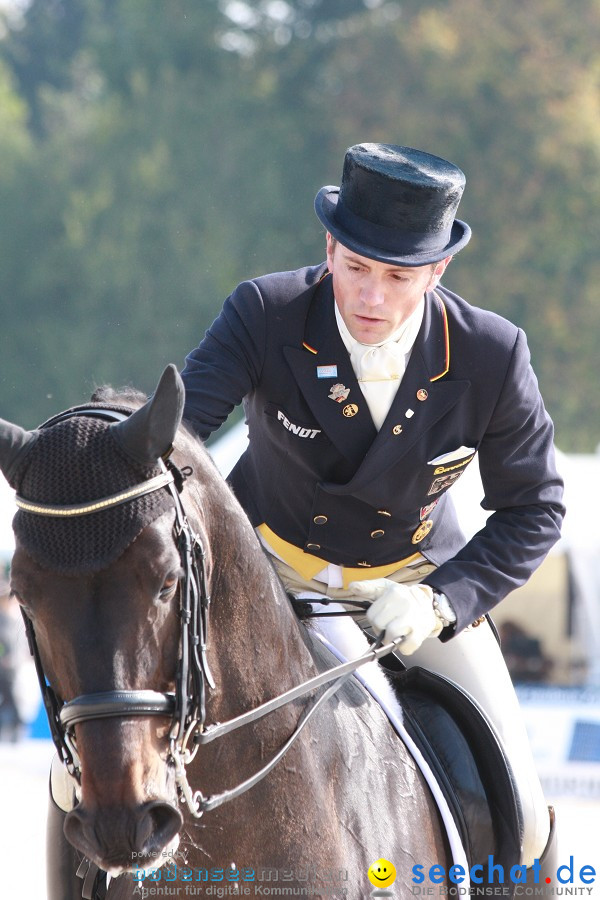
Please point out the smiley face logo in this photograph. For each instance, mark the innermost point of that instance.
(382, 873)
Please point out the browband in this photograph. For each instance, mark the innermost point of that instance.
(138, 490)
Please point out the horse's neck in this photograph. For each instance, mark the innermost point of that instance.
(255, 638)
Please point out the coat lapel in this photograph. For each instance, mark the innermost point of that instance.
(348, 424)
(424, 397)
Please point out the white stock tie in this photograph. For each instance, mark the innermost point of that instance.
(379, 371)
(380, 367)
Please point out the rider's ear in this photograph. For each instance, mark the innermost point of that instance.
(149, 432)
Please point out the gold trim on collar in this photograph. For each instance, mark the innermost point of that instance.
(446, 337)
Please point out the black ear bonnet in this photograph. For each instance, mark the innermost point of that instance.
(79, 460)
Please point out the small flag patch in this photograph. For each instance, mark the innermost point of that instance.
(326, 371)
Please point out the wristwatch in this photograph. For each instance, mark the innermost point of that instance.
(443, 609)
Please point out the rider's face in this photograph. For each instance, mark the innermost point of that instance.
(375, 298)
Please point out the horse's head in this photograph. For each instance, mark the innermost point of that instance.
(98, 575)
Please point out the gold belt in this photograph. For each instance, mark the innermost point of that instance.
(308, 565)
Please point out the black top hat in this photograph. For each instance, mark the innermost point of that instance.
(396, 205)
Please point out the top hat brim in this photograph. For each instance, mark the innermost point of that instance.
(373, 241)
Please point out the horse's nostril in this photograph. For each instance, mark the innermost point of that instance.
(78, 831)
(117, 834)
(157, 826)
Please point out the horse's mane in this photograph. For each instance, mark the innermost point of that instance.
(130, 396)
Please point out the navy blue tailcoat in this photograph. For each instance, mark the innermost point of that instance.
(318, 473)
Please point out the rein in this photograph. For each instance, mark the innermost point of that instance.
(187, 705)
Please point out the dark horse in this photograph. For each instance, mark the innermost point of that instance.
(129, 646)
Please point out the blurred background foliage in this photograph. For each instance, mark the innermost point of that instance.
(153, 154)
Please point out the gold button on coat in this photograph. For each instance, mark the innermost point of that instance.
(378, 533)
(320, 520)
(422, 531)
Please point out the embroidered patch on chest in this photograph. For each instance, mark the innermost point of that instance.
(425, 510)
(443, 482)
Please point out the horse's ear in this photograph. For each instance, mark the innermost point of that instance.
(15, 443)
(149, 432)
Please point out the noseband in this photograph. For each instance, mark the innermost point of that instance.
(187, 705)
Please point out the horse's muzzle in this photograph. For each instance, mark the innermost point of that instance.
(120, 840)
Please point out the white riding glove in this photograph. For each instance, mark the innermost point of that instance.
(400, 611)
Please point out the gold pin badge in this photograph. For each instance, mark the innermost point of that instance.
(422, 531)
(350, 410)
(422, 394)
(397, 429)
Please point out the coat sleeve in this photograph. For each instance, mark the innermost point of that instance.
(227, 364)
(521, 483)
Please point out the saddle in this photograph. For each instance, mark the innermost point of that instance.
(463, 751)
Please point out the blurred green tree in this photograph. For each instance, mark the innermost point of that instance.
(162, 152)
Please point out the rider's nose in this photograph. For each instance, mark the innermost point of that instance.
(372, 294)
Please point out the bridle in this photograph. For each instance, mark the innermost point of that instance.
(187, 705)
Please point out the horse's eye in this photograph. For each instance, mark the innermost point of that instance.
(169, 585)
